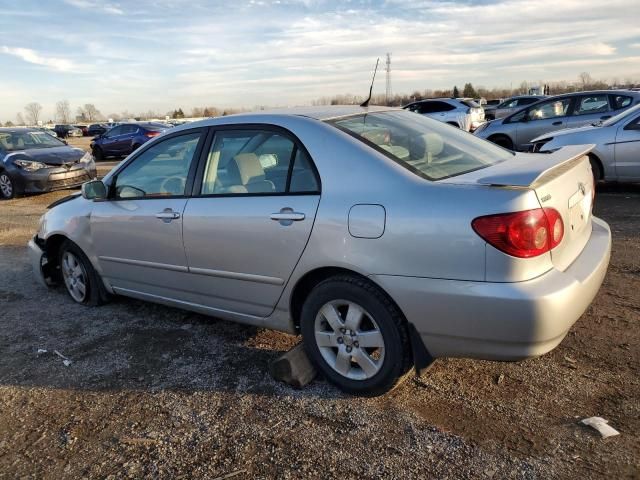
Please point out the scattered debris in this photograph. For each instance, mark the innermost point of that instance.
(65, 360)
(232, 474)
(569, 359)
(500, 379)
(41, 351)
(601, 425)
(138, 441)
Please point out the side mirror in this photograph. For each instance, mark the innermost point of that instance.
(94, 190)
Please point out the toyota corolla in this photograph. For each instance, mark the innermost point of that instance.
(385, 238)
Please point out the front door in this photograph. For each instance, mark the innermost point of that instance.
(137, 233)
(543, 118)
(627, 150)
(249, 224)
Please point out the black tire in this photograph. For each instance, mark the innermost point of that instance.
(596, 169)
(98, 154)
(7, 187)
(134, 148)
(503, 141)
(390, 323)
(95, 293)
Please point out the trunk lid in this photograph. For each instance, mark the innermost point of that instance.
(561, 180)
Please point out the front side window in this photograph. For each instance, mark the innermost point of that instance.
(591, 104)
(160, 171)
(552, 109)
(256, 162)
(115, 131)
(427, 147)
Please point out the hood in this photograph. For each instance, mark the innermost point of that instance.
(565, 131)
(55, 156)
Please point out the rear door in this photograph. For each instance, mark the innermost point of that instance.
(542, 118)
(627, 150)
(249, 218)
(589, 109)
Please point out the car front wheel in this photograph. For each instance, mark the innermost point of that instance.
(80, 278)
(355, 335)
(98, 154)
(7, 190)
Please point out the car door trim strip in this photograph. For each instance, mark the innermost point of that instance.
(248, 277)
(143, 263)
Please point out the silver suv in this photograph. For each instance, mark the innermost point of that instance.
(516, 131)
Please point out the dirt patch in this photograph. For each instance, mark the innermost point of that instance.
(161, 393)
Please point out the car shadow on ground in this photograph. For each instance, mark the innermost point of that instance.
(130, 344)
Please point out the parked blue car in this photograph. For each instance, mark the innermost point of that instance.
(123, 139)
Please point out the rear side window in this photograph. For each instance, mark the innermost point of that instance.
(434, 107)
(244, 162)
(620, 101)
(591, 104)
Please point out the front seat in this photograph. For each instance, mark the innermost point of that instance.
(245, 171)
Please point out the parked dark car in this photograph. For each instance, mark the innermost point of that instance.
(32, 161)
(96, 129)
(124, 139)
(63, 130)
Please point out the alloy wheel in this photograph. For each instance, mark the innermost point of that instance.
(74, 276)
(6, 187)
(349, 339)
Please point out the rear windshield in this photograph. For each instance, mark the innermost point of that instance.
(470, 103)
(428, 148)
(13, 141)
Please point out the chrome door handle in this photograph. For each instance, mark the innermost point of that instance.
(292, 216)
(167, 215)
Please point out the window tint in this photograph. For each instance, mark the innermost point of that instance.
(620, 101)
(128, 129)
(253, 161)
(115, 131)
(552, 109)
(508, 104)
(434, 107)
(591, 104)
(303, 178)
(160, 171)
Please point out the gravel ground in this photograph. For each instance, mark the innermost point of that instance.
(160, 393)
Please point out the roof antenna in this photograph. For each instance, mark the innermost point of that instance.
(366, 102)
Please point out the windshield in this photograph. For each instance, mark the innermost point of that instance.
(615, 119)
(429, 148)
(13, 141)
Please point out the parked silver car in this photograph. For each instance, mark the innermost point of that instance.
(513, 104)
(516, 131)
(386, 238)
(616, 154)
(463, 113)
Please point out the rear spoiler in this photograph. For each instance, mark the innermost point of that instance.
(532, 169)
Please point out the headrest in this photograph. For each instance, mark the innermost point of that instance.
(249, 168)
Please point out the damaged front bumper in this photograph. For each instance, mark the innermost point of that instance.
(39, 263)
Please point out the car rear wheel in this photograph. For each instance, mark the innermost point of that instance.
(355, 335)
(501, 140)
(80, 278)
(596, 169)
(98, 154)
(7, 190)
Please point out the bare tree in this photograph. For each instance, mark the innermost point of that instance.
(63, 111)
(20, 119)
(197, 112)
(33, 110)
(89, 112)
(585, 80)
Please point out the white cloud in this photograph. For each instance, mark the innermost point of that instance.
(31, 56)
(96, 5)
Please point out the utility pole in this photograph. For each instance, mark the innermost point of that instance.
(388, 89)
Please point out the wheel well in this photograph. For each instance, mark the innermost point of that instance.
(498, 136)
(594, 157)
(52, 247)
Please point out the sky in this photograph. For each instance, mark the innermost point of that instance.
(140, 55)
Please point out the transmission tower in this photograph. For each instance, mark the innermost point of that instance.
(387, 93)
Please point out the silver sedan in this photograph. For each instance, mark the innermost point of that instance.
(385, 238)
(616, 154)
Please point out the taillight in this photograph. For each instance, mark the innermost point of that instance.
(151, 134)
(522, 234)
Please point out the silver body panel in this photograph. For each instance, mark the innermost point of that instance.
(226, 256)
